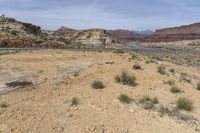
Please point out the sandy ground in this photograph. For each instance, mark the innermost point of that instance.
(44, 108)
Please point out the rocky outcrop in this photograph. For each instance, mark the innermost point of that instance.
(31, 29)
(93, 38)
(15, 28)
(186, 32)
(19, 34)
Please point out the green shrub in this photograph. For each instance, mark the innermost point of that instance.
(126, 79)
(148, 102)
(175, 89)
(198, 86)
(74, 101)
(123, 98)
(146, 98)
(184, 104)
(155, 100)
(3, 104)
(97, 85)
(14, 32)
(162, 70)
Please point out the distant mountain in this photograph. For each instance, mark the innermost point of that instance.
(144, 32)
(126, 35)
(185, 32)
(65, 29)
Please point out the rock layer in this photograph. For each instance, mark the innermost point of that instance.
(186, 32)
(19, 34)
(126, 35)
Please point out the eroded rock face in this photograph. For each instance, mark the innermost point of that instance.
(13, 27)
(19, 34)
(186, 32)
(91, 38)
(94, 38)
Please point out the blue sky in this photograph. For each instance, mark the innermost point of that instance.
(108, 14)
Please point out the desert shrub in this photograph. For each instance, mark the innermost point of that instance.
(184, 77)
(74, 101)
(172, 70)
(155, 100)
(184, 104)
(123, 98)
(137, 67)
(162, 70)
(117, 79)
(198, 86)
(97, 85)
(147, 62)
(3, 104)
(175, 89)
(14, 32)
(171, 82)
(126, 79)
(145, 98)
(148, 102)
(134, 56)
(76, 74)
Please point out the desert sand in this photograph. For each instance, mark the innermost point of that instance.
(59, 75)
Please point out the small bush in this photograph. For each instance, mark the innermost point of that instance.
(198, 86)
(3, 104)
(145, 98)
(123, 98)
(117, 79)
(14, 32)
(175, 89)
(184, 77)
(172, 70)
(184, 104)
(162, 70)
(147, 62)
(171, 82)
(97, 85)
(137, 67)
(126, 79)
(74, 101)
(76, 74)
(155, 100)
(134, 56)
(148, 102)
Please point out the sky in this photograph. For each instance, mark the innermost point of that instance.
(107, 14)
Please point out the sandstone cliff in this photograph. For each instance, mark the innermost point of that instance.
(186, 32)
(126, 35)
